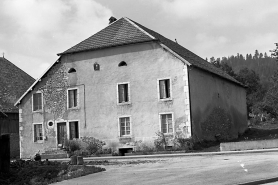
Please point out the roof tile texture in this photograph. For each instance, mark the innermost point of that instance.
(13, 83)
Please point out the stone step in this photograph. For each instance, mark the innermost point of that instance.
(54, 156)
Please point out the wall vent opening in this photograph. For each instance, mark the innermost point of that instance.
(71, 70)
(122, 63)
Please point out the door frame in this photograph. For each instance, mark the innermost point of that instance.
(67, 128)
(57, 133)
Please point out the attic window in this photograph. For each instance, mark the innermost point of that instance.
(71, 70)
(122, 63)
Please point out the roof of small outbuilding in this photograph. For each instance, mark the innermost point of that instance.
(13, 83)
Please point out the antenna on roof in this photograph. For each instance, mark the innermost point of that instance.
(3, 55)
(176, 40)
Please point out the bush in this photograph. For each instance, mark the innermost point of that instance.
(72, 145)
(184, 143)
(160, 143)
(93, 145)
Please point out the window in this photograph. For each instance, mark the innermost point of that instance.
(122, 63)
(164, 89)
(74, 129)
(123, 93)
(72, 98)
(38, 135)
(166, 123)
(125, 126)
(37, 101)
(71, 70)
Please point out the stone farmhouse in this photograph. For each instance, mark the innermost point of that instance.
(125, 84)
(13, 83)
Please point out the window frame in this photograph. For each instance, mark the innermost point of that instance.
(158, 89)
(69, 129)
(119, 127)
(77, 98)
(39, 110)
(128, 91)
(173, 123)
(34, 140)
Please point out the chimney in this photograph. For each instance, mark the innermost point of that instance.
(112, 19)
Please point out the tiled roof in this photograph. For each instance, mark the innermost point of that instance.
(192, 58)
(125, 31)
(120, 32)
(13, 83)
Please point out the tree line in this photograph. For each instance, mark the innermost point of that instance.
(259, 74)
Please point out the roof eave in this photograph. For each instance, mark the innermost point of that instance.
(93, 49)
(31, 87)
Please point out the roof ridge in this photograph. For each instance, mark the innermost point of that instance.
(142, 30)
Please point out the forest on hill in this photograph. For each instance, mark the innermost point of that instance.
(259, 73)
(261, 63)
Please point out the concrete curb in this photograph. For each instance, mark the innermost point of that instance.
(172, 155)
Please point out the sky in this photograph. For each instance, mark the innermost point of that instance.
(32, 32)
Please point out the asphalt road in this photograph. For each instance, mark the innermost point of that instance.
(213, 169)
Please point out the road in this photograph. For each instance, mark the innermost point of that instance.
(214, 169)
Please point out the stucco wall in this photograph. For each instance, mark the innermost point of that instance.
(98, 110)
(218, 107)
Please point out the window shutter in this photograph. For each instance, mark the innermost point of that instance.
(163, 124)
(71, 98)
(35, 102)
(162, 89)
(169, 122)
(75, 97)
(167, 88)
(126, 92)
(35, 133)
(39, 101)
(121, 93)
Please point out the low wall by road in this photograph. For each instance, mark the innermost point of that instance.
(249, 145)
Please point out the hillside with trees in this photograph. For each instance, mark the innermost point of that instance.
(259, 73)
(262, 64)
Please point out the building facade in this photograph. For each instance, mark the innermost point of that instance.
(125, 84)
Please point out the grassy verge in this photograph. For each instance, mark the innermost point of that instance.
(43, 172)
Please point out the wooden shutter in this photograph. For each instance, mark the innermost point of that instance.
(169, 123)
(162, 89)
(121, 93)
(75, 97)
(35, 102)
(167, 88)
(163, 124)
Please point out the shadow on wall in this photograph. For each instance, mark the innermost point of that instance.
(218, 124)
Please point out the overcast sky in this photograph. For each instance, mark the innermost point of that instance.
(32, 32)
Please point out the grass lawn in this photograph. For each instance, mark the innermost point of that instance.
(43, 172)
(261, 131)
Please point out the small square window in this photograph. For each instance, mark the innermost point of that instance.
(123, 93)
(166, 121)
(37, 102)
(125, 126)
(164, 89)
(72, 98)
(38, 135)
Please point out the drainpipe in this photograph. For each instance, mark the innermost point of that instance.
(189, 92)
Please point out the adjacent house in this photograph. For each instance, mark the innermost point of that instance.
(125, 84)
(13, 83)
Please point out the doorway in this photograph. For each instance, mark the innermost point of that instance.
(61, 133)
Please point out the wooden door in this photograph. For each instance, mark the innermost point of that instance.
(61, 133)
